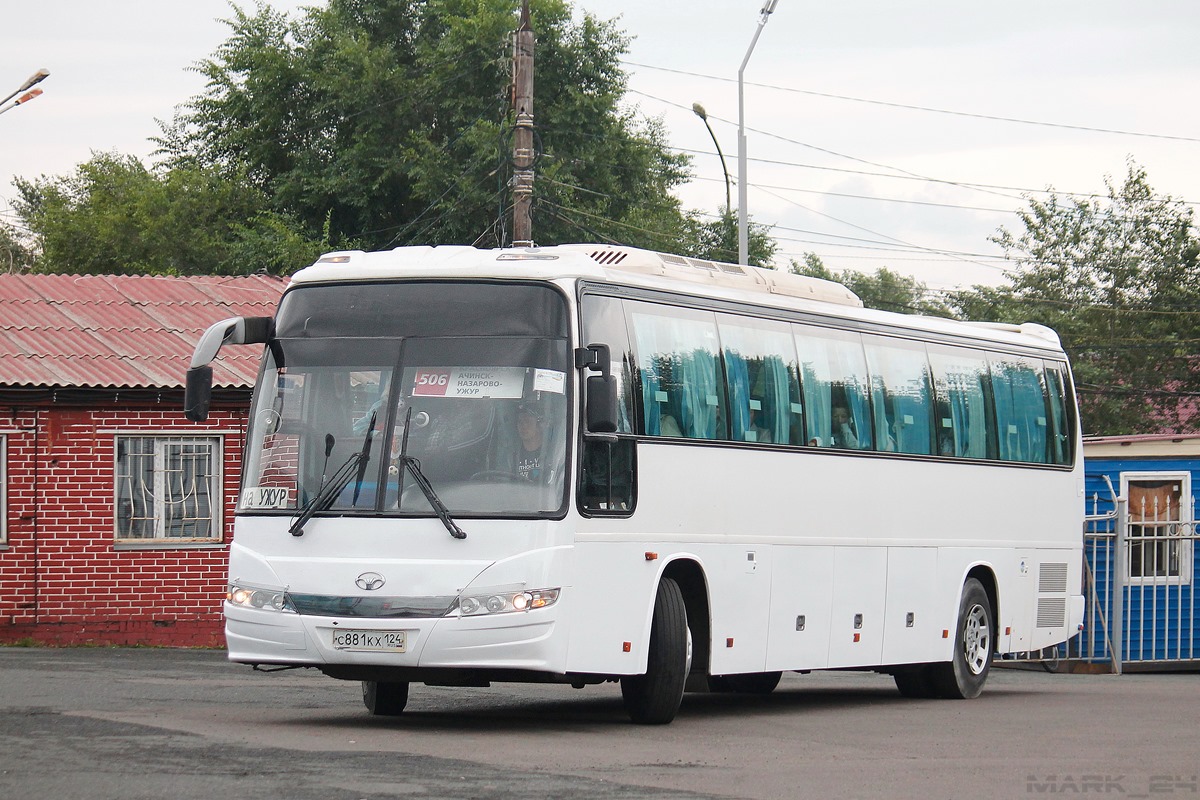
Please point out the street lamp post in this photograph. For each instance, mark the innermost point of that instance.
(699, 111)
(743, 227)
(25, 98)
(29, 83)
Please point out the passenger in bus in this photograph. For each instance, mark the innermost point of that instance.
(843, 432)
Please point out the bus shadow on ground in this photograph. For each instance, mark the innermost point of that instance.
(482, 712)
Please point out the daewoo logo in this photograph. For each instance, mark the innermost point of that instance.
(369, 581)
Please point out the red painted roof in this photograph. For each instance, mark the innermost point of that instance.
(124, 331)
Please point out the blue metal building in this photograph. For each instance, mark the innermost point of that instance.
(1141, 553)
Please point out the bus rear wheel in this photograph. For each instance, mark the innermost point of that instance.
(385, 699)
(963, 676)
(654, 698)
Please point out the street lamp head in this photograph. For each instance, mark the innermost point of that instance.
(34, 79)
(699, 111)
(769, 6)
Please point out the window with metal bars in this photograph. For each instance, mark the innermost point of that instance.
(168, 488)
(1160, 528)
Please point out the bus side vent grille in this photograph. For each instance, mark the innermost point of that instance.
(1052, 578)
(1051, 612)
(608, 258)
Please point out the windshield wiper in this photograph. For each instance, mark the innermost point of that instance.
(414, 468)
(439, 508)
(355, 465)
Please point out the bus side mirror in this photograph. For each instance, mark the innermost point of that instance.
(600, 391)
(197, 393)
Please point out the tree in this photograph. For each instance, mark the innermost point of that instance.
(717, 239)
(1119, 279)
(386, 122)
(883, 289)
(15, 253)
(114, 215)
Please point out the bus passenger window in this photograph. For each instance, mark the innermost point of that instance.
(604, 321)
(1021, 417)
(833, 375)
(1063, 437)
(963, 425)
(682, 380)
(900, 395)
(760, 370)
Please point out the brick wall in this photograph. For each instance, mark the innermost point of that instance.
(63, 577)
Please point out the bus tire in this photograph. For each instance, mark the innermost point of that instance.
(384, 699)
(654, 698)
(746, 683)
(974, 641)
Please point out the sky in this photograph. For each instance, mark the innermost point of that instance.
(879, 133)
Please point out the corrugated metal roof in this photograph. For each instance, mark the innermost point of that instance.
(124, 331)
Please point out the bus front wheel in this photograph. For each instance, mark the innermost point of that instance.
(385, 699)
(654, 698)
(974, 641)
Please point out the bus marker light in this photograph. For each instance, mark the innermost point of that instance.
(1008, 630)
(857, 638)
(945, 634)
(626, 647)
(650, 556)
(729, 642)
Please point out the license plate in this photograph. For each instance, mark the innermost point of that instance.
(370, 641)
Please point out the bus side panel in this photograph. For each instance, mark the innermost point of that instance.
(801, 608)
(739, 577)
(859, 588)
(913, 629)
(612, 603)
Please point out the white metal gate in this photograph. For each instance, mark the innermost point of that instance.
(1139, 574)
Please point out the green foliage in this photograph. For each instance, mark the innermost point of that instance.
(387, 122)
(115, 216)
(717, 239)
(883, 289)
(1119, 279)
(15, 253)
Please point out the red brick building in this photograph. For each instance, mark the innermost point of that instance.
(115, 511)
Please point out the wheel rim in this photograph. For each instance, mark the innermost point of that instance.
(977, 639)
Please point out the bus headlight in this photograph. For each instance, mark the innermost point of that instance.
(501, 601)
(244, 595)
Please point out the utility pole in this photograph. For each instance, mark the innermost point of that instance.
(524, 155)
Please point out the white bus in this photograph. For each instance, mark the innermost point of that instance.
(580, 464)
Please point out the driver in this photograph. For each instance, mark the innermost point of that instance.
(531, 429)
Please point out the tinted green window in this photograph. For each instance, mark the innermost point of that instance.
(604, 323)
(900, 395)
(833, 377)
(764, 394)
(962, 424)
(1062, 440)
(1021, 420)
(679, 360)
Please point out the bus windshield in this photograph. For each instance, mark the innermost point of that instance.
(351, 422)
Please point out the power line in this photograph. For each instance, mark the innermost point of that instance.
(909, 107)
(869, 197)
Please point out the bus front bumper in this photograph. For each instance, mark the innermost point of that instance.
(526, 640)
